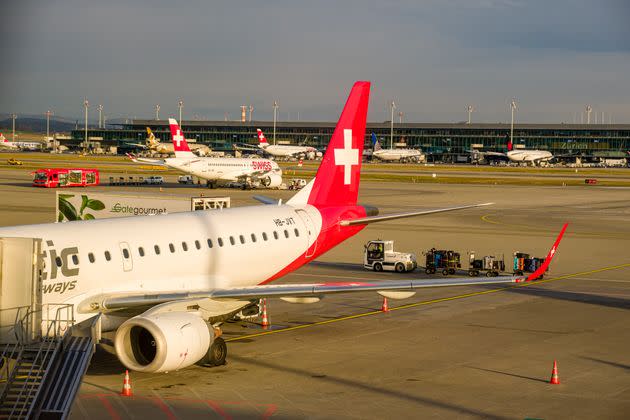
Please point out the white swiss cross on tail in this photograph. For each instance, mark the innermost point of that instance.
(177, 138)
(347, 156)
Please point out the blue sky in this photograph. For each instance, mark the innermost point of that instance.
(433, 57)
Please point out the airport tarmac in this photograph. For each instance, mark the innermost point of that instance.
(466, 352)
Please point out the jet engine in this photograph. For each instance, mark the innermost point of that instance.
(271, 181)
(163, 342)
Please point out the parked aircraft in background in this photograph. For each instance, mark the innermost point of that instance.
(286, 151)
(395, 155)
(19, 145)
(166, 283)
(533, 157)
(154, 145)
(249, 172)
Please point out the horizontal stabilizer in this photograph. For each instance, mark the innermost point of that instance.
(386, 217)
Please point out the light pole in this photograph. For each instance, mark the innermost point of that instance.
(275, 115)
(13, 117)
(48, 114)
(513, 107)
(86, 104)
(400, 116)
(100, 116)
(470, 111)
(157, 111)
(251, 111)
(391, 130)
(589, 109)
(181, 105)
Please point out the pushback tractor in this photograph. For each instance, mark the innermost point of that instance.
(379, 255)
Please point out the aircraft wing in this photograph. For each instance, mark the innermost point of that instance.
(385, 217)
(136, 159)
(120, 300)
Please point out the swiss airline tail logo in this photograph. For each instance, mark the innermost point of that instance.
(261, 138)
(337, 179)
(510, 146)
(2, 138)
(179, 142)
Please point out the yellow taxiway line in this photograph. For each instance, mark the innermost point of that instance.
(429, 302)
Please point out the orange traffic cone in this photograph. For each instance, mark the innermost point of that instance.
(126, 389)
(385, 308)
(265, 320)
(554, 375)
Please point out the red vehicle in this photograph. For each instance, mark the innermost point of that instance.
(65, 177)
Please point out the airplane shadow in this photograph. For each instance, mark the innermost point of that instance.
(606, 362)
(508, 374)
(456, 410)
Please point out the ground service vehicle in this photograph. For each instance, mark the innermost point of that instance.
(14, 161)
(489, 263)
(524, 264)
(442, 260)
(154, 180)
(185, 179)
(65, 177)
(379, 255)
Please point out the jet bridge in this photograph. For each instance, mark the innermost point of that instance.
(43, 355)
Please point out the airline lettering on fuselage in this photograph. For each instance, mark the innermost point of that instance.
(49, 261)
(261, 165)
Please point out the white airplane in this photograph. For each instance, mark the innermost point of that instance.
(165, 283)
(533, 157)
(287, 151)
(250, 172)
(395, 155)
(18, 145)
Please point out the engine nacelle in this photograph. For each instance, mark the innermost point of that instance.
(163, 342)
(272, 181)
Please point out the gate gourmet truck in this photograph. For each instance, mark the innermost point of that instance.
(379, 255)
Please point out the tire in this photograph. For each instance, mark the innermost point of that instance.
(445, 272)
(400, 268)
(427, 270)
(471, 273)
(217, 353)
(451, 271)
(378, 267)
(489, 274)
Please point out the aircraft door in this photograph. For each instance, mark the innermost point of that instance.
(125, 252)
(310, 230)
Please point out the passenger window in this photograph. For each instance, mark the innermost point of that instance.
(253, 238)
(156, 249)
(75, 259)
(91, 257)
(125, 253)
(108, 256)
(209, 243)
(286, 233)
(141, 251)
(220, 240)
(171, 247)
(197, 244)
(297, 232)
(232, 240)
(242, 238)
(275, 234)
(264, 235)
(184, 246)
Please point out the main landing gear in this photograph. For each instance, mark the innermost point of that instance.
(217, 352)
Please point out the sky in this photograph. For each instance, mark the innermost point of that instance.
(432, 57)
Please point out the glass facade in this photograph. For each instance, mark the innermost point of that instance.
(441, 140)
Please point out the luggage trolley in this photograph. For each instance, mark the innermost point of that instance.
(490, 264)
(442, 260)
(523, 263)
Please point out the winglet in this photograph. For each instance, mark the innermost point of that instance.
(541, 270)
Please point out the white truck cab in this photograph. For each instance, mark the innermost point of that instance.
(379, 255)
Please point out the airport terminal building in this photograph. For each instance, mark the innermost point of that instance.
(447, 142)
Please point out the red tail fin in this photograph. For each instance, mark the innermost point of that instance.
(337, 179)
(179, 142)
(261, 137)
(510, 146)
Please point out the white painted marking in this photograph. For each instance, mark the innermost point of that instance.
(347, 157)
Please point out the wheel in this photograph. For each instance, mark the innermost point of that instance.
(445, 272)
(471, 273)
(427, 270)
(489, 274)
(433, 271)
(400, 267)
(216, 354)
(451, 271)
(378, 267)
